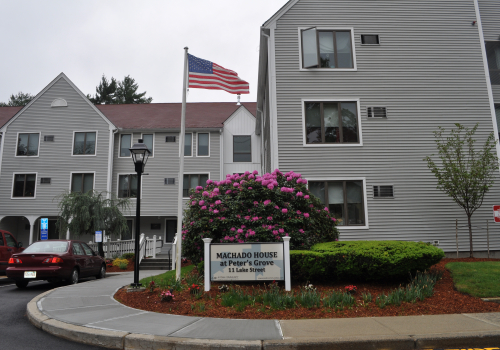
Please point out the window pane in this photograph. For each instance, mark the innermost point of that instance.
(242, 157)
(87, 249)
(242, 144)
(331, 120)
(497, 113)
(125, 144)
(77, 249)
(33, 144)
(123, 186)
(148, 141)
(318, 189)
(336, 201)
(133, 186)
(355, 203)
(349, 122)
(309, 48)
(9, 240)
(90, 143)
(313, 123)
(193, 181)
(76, 183)
(22, 145)
(187, 144)
(79, 143)
(203, 144)
(344, 49)
(326, 51)
(203, 180)
(88, 182)
(19, 185)
(30, 185)
(493, 54)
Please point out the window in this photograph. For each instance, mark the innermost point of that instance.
(84, 143)
(127, 186)
(24, 185)
(203, 145)
(128, 233)
(148, 140)
(493, 54)
(331, 122)
(343, 198)
(27, 144)
(125, 145)
(193, 180)
(88, 250)
(11, 242)
(497, 114)
(242, 149)
(370, 39)
(188, 145)
(77, 249)
(82, 182)
(326, 48)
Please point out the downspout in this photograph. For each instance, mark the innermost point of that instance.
(112, 133)
(2, 147)
(221, 175)
(273, 110)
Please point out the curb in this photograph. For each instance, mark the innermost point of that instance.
(129, 341)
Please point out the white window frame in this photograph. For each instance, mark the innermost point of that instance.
(192, 144)
(365, 198)
(152, 155)
(12, 186)
(353, 48)
(73, 144)
(197, 144)
(39, 143)
(120, 145)
(192, 173)
(118, 184)
(340, 144)
(80, 172)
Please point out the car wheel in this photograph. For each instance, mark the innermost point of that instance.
(74, 277)
(22, 284)
(102, 272)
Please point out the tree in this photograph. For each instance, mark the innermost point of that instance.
(126, 92)
(466, 173)
(85, 213)
(20, 99)
(105, 92)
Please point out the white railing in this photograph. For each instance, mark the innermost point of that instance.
(118, 248)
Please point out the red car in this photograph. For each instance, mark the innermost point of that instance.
(8, 246)
(55, 260)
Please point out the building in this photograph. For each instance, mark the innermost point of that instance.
(350, 94)
(61, 142)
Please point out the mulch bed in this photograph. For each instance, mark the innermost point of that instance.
(446, 300)
(130, 267)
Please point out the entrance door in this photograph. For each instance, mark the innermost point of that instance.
(170, 230)
(128, 235)
(53, 230)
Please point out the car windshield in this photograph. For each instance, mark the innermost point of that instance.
(47, 247)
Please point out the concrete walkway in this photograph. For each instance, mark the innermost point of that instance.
(87, 313)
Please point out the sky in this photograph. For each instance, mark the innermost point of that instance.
(144, 39)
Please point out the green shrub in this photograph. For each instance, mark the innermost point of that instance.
(119, 262)
(363, 260)
(123, 266)
(129, 256)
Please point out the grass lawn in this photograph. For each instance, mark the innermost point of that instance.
(479, 279)
(164, 277)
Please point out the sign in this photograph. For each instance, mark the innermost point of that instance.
(98, 236)
(247, 262)
(44, 229)
(496, 213)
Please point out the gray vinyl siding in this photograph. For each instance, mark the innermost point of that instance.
(55, 159)
(428, 72)
(159, 199)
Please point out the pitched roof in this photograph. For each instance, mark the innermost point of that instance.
(168, 115)
(6, 113)
(159, 115)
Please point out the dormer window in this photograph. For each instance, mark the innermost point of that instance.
(323, 48)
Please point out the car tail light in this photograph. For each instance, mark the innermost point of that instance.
(52, 261)
(15, 261)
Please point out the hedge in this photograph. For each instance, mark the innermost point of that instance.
(363, 260)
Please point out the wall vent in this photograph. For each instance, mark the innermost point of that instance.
(377, 112)
(170, 181)
(386, 191)
(370, 39)
(170, 139)
(49, 138)
(45, 180)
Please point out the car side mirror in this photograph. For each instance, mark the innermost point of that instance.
(19, 244)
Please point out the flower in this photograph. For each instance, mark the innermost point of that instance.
(228, 191)
(299, 212)
(281, 230)
(233, 229)
(201, 202)
(215, 211)
(301, 231)
(270, 186)
(269, 218)
(299, 194)
(205, 194)
(306, 196)
(326, 209)
(306, 215)
(199, 187)
(267, 201)
(218, 202)
(284, 210)
(204, 207)
(240, 230)
(236, 184)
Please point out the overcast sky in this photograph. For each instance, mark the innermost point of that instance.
(143, 39)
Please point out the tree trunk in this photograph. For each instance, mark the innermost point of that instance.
(470, 236)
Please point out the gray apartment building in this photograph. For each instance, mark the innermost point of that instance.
(61, 142)
(350, 93)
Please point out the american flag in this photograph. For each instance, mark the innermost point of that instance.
(204, 74)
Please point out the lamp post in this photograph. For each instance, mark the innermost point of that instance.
(140, 154)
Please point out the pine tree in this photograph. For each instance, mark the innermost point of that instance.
(105, 92)
(20, 99)
(126, 92)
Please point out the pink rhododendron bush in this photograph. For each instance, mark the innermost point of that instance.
(252, 208)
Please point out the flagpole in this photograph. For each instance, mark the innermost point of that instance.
(181, 169)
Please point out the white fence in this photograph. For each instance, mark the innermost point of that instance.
(147, 247)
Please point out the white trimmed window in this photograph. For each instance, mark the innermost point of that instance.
(203, 144)
(188, 145)
(27, 144)
(191, 181)
(24, 186)
(327, 48)
(125, 145)
(82, 182)
(148, 140)
(84, 143)
(127, 186)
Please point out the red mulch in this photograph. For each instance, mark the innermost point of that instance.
(446, 300)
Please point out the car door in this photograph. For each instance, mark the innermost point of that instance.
(11, 244)
(82, 260)
(95, 263)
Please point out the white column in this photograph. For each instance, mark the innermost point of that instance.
(154, 246)
(286, 252)
(206, 263)
(32, 220)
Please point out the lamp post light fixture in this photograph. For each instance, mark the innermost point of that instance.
(140, 154)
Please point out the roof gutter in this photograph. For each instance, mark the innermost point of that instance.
(170, 130)
(112, 133)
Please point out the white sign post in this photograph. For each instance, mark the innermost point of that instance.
(206, 263)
